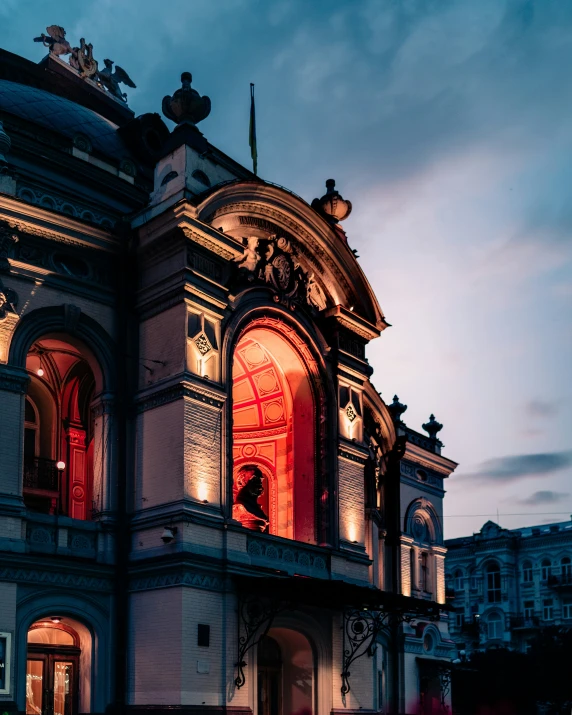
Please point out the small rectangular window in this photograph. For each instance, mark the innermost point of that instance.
(547, 609)
(567, 608)
(203, 635)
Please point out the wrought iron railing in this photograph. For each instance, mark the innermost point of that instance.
(41, 474)
(524, 621)
(564, 579)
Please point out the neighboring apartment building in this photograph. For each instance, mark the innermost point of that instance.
(505, 584)
(201, 492)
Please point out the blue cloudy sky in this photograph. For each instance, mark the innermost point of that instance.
(448, 123)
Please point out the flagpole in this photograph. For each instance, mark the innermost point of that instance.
(252, 132)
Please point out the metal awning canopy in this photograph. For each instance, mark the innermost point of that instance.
(334, 594)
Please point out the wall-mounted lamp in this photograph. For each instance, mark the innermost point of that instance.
(60, 466)
(168, 535)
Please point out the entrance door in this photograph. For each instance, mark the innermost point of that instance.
(269, 677)
(51, 684)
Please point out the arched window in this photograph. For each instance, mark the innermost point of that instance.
(274, 437)
(31, 431)
(545, 569)
(566, 569)
(494, 626)
(493, 583)
(527, 572)
(459, 580)
(58, 430)
(425, 574)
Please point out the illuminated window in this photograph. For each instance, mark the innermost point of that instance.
(274, 437)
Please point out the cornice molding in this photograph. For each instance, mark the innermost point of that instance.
(37, 221)
(191, 390)
(13, 379)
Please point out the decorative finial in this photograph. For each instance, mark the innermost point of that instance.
(396, 409)
(332, 206)
(5, 144)
(432, 427)
(186, 106)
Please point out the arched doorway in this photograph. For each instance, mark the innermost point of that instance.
(274, 436)
(59, 429)
(52, 670)
(286, 674)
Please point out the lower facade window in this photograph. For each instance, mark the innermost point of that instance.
(567, 608)
(528, 609)
(494, 626)
(548, 609)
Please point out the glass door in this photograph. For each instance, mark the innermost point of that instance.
(51, 685)
(36, 677)
(63, 686)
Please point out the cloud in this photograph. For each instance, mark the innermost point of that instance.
(544, 496)
(542, 408)
(521, 466)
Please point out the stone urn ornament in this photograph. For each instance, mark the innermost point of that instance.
(186, 106)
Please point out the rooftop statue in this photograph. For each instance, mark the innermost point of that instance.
(55, 40)
(82, 61)
(186, 106)
(111, 80)
(81, 57)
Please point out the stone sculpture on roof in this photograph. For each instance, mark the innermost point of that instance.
(111, 80)
(83, 62)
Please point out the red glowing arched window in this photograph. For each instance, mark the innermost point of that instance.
(274, 436)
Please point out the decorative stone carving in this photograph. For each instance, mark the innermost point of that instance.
(332, 206)
(111, 80)
(273, 261)
(55, 41)
(8, 301)
(203, 344)
(397, 409)
(82, 59)
(186, 106)
(249, 487)
(432, 427)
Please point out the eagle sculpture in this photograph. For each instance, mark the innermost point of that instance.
(112, 79)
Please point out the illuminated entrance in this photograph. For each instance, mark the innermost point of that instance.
(285, 674)
(274, 437)
(52, 672)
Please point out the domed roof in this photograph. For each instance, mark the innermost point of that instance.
(61, 115)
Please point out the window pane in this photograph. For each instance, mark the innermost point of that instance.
(34, 687)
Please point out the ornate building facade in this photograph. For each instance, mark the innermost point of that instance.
(506, 584)
(205, 505)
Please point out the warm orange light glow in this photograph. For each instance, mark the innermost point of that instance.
(352, 532)
(203, 491)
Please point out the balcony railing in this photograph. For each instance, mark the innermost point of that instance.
(41, 475)
(525, 622)
(561, 581)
